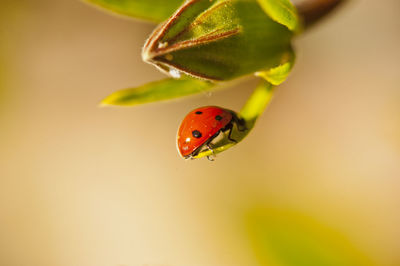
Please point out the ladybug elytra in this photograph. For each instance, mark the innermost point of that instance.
(202, 125)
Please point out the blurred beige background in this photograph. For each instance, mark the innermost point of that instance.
(88, 186)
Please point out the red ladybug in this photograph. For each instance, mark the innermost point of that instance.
(202, 125)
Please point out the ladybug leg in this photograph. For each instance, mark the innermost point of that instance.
(230, 128)
(209, 147)
(230, 137)
(210, 158)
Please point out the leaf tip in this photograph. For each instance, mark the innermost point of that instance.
(103, 104)
(108, 101)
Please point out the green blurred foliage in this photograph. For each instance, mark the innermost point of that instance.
(10, 14)
(289, 238)
(3, 18)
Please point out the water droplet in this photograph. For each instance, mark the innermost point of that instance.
(175, 73)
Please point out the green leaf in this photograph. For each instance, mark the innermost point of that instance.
(285, 237)
(165, 89)
(282, 11)
(251, 111)
(150, 10)
(278, 74)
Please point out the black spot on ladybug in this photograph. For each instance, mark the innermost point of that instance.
(198, 112)
(196, 134)
(218, 118)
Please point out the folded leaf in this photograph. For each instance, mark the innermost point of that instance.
(252, 110)
(165, 89)
(150, 10)
(282, 11)
(286, 237)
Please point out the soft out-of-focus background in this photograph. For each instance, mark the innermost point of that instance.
(316, 183)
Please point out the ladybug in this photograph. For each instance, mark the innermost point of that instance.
(202, 125)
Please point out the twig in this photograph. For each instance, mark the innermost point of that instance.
(311, 11)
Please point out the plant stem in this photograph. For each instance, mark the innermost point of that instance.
(257, 103)
(312, 11)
